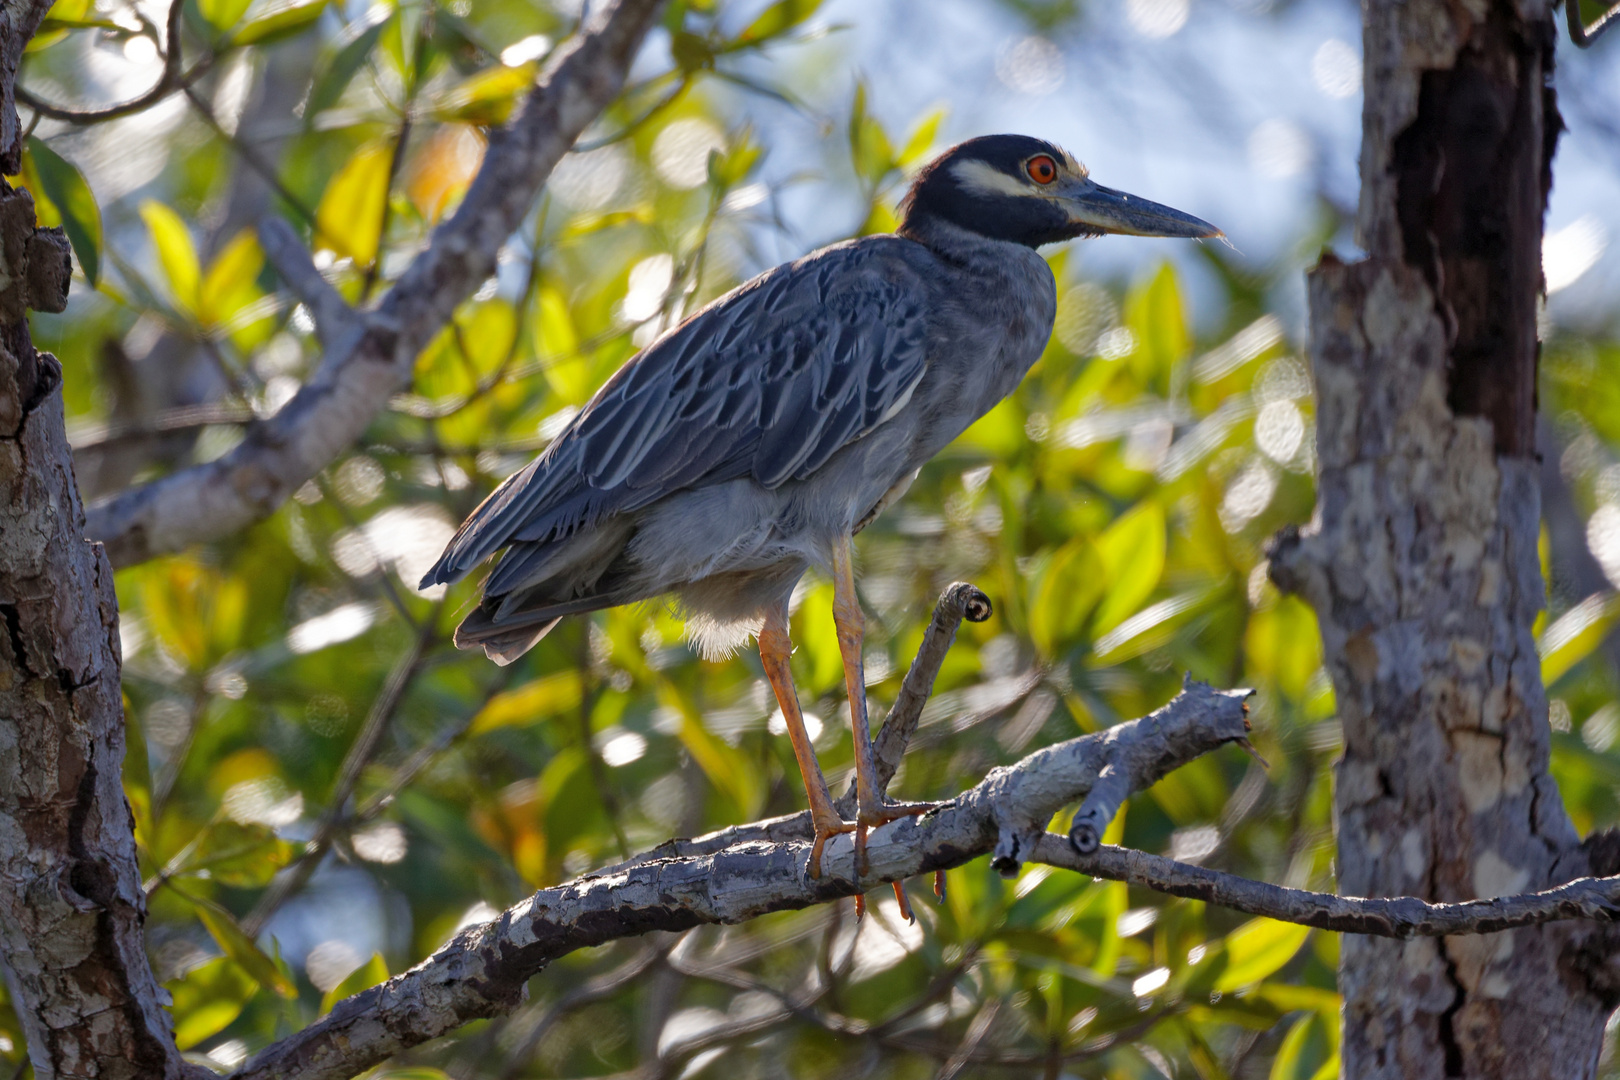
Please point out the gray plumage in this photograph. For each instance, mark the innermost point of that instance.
(733, 452)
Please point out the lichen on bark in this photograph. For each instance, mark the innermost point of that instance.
(1421, 560)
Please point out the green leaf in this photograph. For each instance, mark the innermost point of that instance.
(486, 98)
(239, 947)
(277, 21)
(361, 978)
(1155, 314)
(531, 703)
(1132, 551)
(1064, 594)
(780, 17)
(72, 202)
(870, 150)
(341, 71)
(1257, 949)
(175, 253)
(1576, 634)
(1286, 1065)
(241, 856)
(349, 218)
(207, 998)
(920, 139)
(223, 14)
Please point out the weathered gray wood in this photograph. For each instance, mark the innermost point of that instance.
(1421, 563)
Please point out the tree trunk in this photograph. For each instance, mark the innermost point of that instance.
(71, 902)
(1421, 562)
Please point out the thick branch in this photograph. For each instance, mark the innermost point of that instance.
(333, 410)
(482, 972)
(1397, 917)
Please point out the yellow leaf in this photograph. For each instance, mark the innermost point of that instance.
(235, 943)
(1283, 645)
(349, 218)
(1258, 949)
(530, 703)
(1132, 551)
(443, 168)
(230, 283)
(175, 253)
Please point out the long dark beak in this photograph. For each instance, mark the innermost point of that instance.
(1093, 206)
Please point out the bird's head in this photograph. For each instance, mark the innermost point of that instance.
(1012, 187)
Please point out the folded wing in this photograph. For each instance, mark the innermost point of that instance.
(769, 381)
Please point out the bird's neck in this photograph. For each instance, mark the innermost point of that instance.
(954, 244)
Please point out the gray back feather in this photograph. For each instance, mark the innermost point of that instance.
(769, 381)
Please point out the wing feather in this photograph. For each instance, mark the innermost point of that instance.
(770, 381)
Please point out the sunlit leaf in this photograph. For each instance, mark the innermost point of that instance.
(278, 20)
(531, 703)
(223, 14)
(1132, 551)
(1257, 949)
(780, 17)
(222, 927)
(443, 168)
(1284, 645)
(176, 253)
(485, 98)
(361, 978)
(1065, 592)
(1576, 634)
(231, 282)
(71, 203)
(335, 79)
(349, 219)
(207, 998)
(1154, 313)
(920, 139)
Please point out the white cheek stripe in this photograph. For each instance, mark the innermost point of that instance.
(982, 178)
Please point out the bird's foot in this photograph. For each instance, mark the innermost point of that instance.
(826, 829)
(870, 818)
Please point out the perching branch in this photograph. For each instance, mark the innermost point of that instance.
(1396, 917)
(483, 970)
(362, 371)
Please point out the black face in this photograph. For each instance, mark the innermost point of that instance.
(960, 188)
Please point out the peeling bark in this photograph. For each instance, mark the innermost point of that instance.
(1421, 561)
(71, 904)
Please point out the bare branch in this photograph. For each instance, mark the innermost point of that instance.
(171, 80)
(1396, 917)
(483, 970)
(353, 385)
(959, 601)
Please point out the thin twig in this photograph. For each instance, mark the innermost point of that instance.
(382, 711)
(171, 80)
(1396, 917)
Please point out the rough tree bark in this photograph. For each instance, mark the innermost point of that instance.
(1421, 562)
(71, 904)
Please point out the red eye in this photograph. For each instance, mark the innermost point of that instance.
(1041, 168)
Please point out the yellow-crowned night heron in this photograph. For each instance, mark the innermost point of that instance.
(753, 440)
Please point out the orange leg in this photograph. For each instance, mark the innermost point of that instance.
(874, 810)
(775, 649)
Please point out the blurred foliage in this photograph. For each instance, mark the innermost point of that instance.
(1115, 509)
